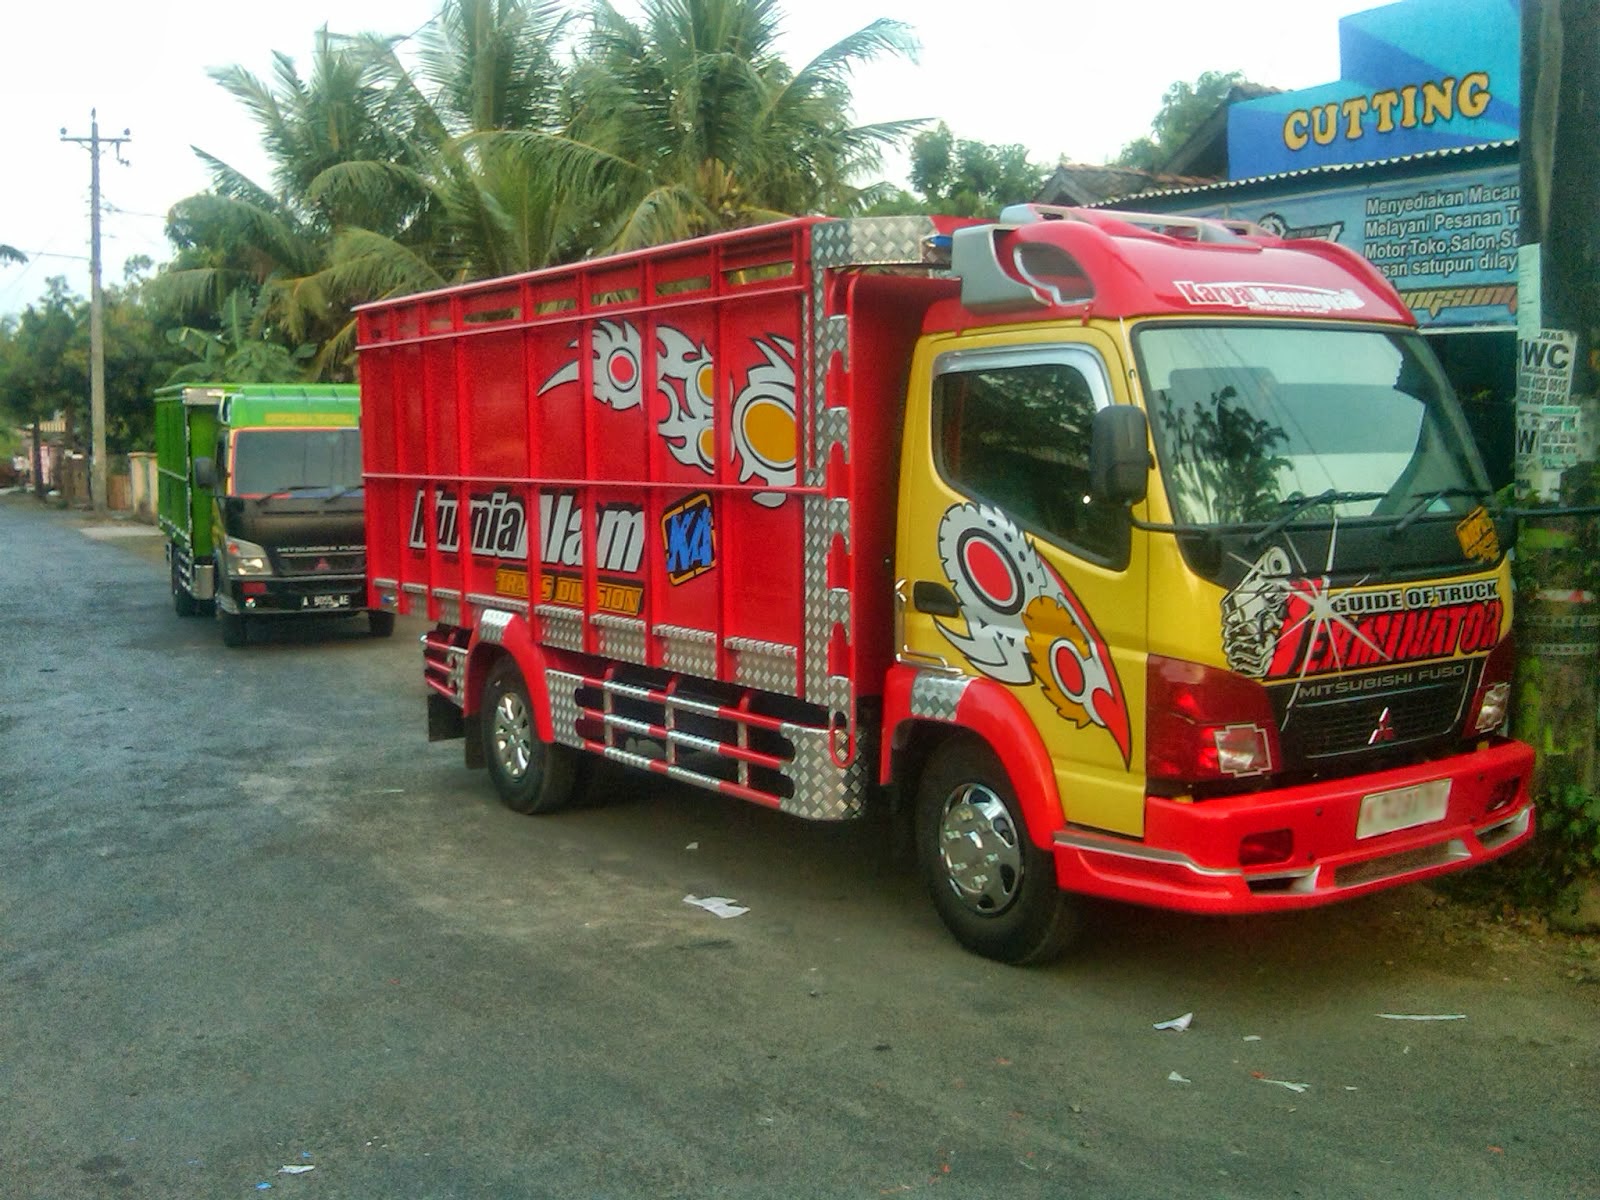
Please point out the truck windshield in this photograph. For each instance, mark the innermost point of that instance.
(266, 461)
(1274, 425)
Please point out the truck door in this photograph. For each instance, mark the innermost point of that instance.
(1011, 571)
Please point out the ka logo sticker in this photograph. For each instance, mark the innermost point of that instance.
(690, 537)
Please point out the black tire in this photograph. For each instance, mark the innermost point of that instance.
(993, 888)
(184, 604)
(531, 776)
(233, 629)
(380, 622)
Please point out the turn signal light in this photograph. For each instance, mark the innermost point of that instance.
(1494, 689)
(1205, 724)
(1242, 750)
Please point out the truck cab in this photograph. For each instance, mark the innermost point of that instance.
(263, 503)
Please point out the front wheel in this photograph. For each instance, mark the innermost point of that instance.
(380, 622)
(993, 888)
(532, 776)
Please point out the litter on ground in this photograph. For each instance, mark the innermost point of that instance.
(719, 905)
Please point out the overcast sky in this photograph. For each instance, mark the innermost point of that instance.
(1065, 78)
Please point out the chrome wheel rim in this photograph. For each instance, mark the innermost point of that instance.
(981, 850)
(513, 742)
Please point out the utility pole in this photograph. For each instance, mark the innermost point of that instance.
(97, 344)
(1558, 399)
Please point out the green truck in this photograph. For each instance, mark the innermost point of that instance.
(260, 497)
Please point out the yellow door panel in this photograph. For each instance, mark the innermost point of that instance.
(1049, 587)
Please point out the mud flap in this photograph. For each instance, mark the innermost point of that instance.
(445, 721)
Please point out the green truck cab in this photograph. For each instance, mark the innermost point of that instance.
(260, 497)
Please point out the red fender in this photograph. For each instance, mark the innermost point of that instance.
(989, 710)
(516, 639)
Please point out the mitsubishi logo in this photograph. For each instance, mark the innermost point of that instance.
(1384, 731)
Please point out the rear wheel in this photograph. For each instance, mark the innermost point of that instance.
(993, 888)
(183, 603)
(532, 776)
(380, 622)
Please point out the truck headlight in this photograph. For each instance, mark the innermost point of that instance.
(245, 558)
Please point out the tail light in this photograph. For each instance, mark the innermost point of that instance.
(1205, 724)
(1489, 706)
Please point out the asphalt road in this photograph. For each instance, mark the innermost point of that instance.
(250, 918)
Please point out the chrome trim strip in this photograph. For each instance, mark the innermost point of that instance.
(1099, 845)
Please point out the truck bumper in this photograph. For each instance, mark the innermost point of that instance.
(302, 595)
(1205, 856)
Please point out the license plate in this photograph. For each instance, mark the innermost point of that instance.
(1403, 808)
(327, 601)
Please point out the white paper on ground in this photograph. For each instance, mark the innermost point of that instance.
(720, 905)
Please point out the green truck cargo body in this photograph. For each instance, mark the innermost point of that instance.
(260, 497)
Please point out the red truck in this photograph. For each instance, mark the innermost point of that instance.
(1146, 557)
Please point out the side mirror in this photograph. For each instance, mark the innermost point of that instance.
(205, 472)
(1119, 455)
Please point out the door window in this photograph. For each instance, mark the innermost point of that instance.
(1013, 429)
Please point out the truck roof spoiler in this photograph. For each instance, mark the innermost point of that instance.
(1200, 229)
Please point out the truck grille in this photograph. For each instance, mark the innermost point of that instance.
(320, 562)
(1413, 708)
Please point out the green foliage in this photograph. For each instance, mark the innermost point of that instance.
(236, 353)
(1184, 108)
(1571, 816)
(688, 121)
(44, 362)
(966, 178)
(506, 136)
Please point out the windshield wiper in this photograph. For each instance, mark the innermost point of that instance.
(1424, 503)
(1299, 504)
(290, 488)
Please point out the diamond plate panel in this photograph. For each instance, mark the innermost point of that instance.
(823, 790)
(825, 607)
(872, 241)
(563, 689)
(692, 651)
(492, 626)
(936, 696)
(621, 637)
(487, 601)
(770, 666)
(560, 627)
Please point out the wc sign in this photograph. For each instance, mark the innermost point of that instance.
(1555, 430)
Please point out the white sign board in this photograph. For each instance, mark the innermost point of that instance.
(1553, 429)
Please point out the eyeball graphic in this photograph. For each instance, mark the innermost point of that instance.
(617, 366)
(764, 430)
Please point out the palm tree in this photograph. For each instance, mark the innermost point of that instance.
(10, 254)
(689, 121)
(273, 241)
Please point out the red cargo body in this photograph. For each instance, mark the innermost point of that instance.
(603, 436)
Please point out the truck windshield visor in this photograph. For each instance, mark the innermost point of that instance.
(267, 461)
(1279, 424)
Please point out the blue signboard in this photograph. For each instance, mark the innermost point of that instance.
(1448, 242)
(1419, 75)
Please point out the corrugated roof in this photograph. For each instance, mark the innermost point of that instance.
(1326, 169)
